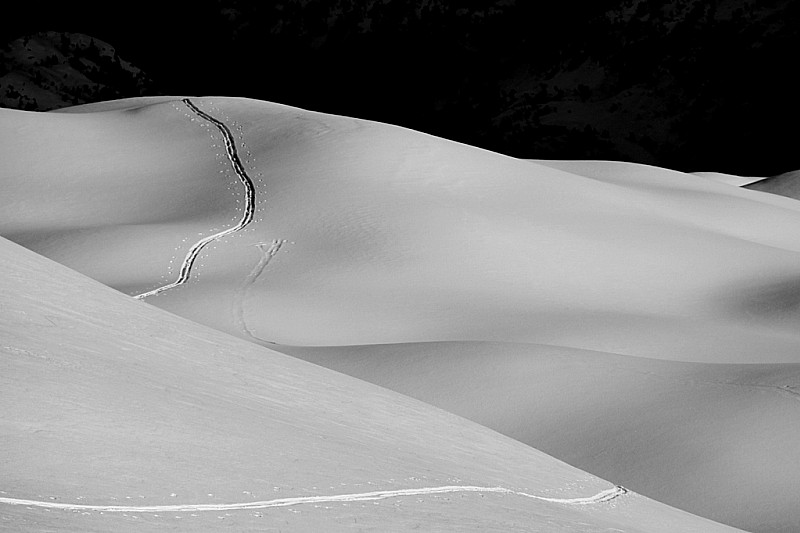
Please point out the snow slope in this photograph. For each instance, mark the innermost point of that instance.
(119, 416)
(687, 434)
(730, 179)
(786, 184)
(370, 234)
(395, 236)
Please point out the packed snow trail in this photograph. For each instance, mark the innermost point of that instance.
(249, 204)
(600, 497)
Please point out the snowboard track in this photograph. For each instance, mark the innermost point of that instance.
(249, 204)
(601, 497)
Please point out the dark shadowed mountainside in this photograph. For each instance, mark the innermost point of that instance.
(50, 70)
(686, 84)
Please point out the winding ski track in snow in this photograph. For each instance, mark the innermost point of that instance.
(601, 497)
(249, 204)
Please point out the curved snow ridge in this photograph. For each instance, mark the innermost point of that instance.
(600, 497)
(249, 204)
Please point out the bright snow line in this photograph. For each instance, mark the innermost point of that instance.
(249, 204)
(600, 497)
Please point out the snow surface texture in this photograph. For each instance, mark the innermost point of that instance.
(370, 234)
(121, 417)
(395, 236)
(688, 434)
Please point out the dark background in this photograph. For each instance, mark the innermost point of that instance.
(686, 84)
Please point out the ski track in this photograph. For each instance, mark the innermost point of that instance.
(601, 497)
(247, 216)
(268, 252)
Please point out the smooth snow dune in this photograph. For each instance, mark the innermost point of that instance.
(389, 235)
(786, 184)
(716, 440)
(730, 179)
(118, 416)
(117, 105)
(115, 195)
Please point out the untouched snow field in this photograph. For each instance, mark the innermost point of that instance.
(636, 322)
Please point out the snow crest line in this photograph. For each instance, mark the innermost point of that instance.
(247, 215)
(600, 497)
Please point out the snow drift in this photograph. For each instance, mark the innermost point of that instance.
(119, 416)
(551, 272)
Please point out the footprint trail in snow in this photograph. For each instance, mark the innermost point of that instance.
(249, 204)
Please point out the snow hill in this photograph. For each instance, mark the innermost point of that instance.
(636, 322)
(121, 417)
